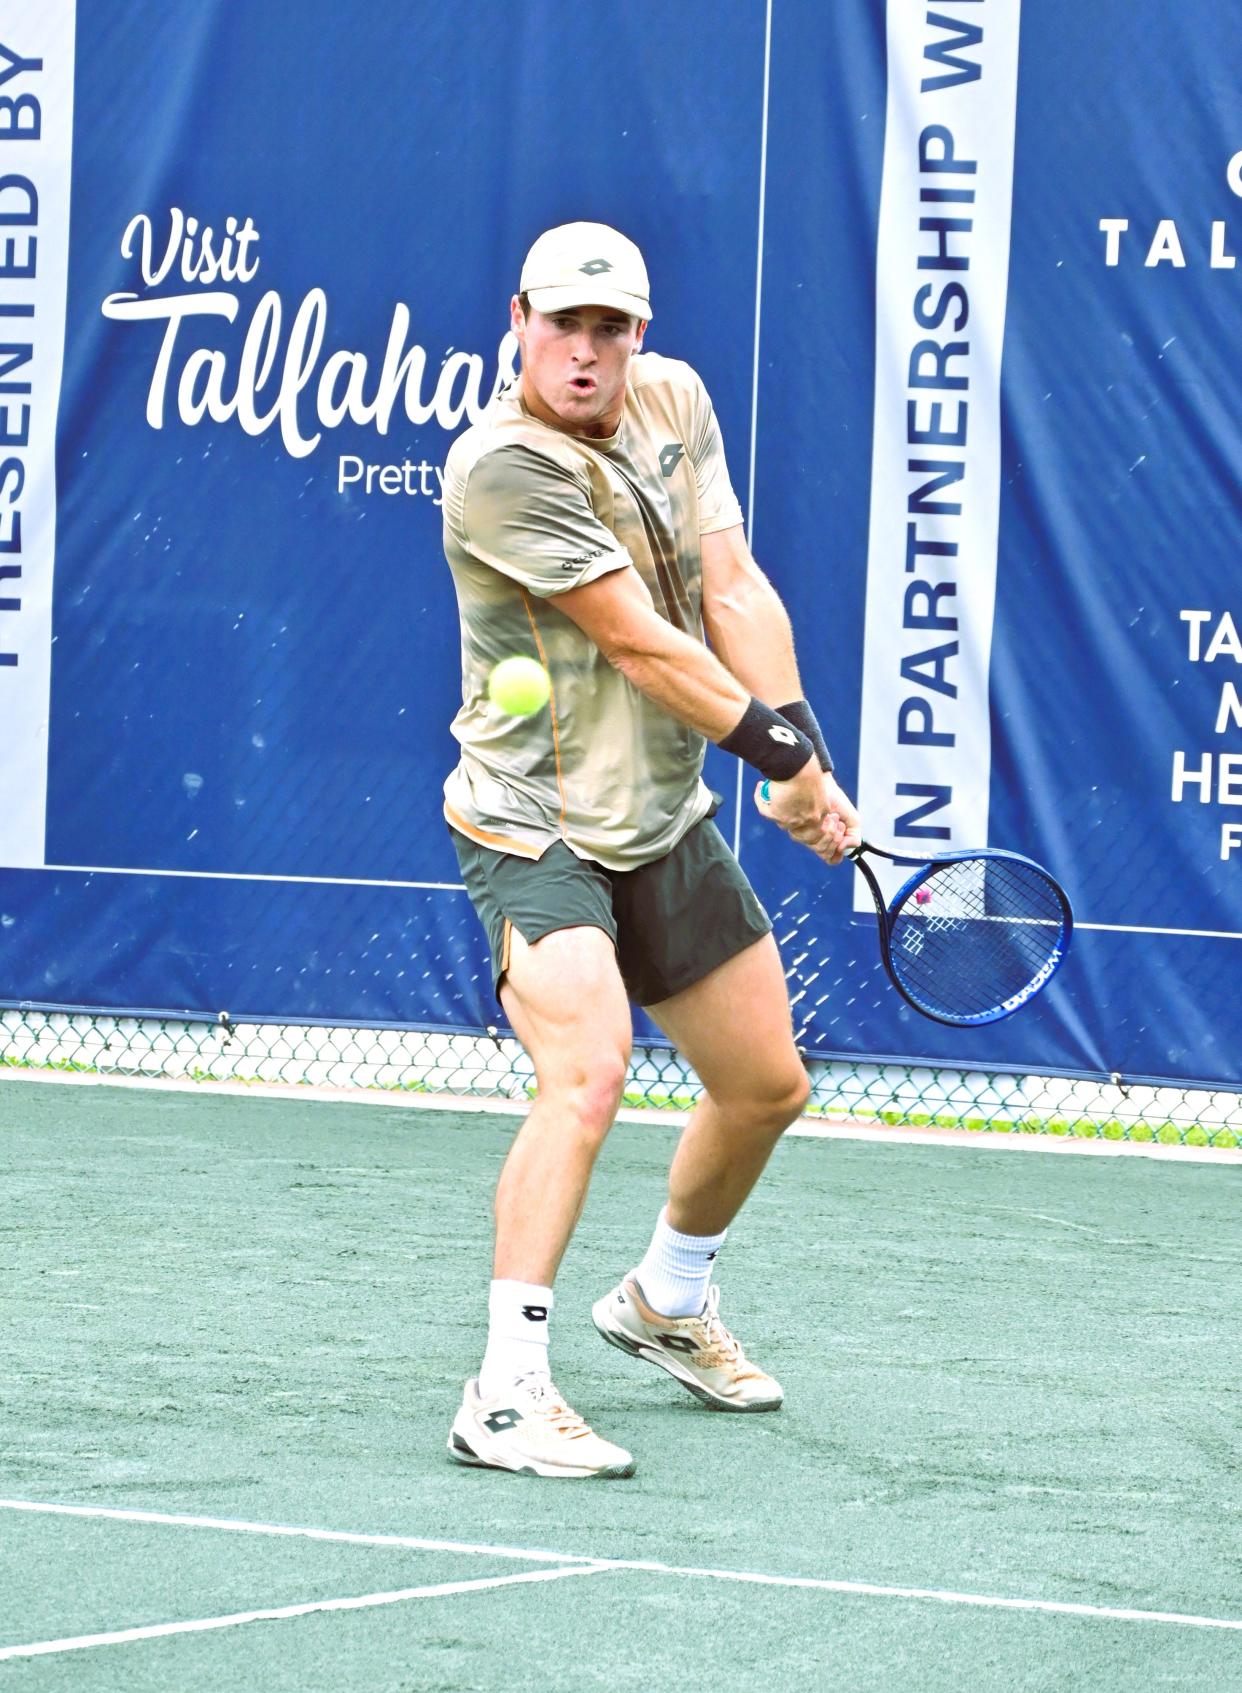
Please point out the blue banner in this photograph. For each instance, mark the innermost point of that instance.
(961, 279)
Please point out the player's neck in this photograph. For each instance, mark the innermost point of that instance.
(600, 429)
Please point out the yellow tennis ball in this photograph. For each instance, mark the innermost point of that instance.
(519, 686)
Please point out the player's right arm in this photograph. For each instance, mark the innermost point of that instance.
(682, 677)
(528, 515)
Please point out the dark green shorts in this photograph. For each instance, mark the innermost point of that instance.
(672, 921)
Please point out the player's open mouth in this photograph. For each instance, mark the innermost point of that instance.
(583, 384)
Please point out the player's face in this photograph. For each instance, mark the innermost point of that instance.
(574, 365)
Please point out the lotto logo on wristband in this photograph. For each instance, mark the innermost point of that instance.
(763, 738)
(535, 1313)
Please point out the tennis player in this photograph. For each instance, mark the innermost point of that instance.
(589, 520)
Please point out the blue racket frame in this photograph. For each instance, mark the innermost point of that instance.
(886, 915)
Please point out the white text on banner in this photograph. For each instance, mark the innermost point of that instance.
(36, 145)
(941, 277)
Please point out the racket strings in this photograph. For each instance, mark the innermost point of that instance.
(975, 933)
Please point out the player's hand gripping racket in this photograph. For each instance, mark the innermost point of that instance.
(971, 936)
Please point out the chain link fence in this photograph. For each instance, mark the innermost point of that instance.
(493, 1066)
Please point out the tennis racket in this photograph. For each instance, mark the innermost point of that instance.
(970, 937)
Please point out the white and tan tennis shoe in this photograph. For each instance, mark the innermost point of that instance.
(530, 1429)
(698, 1351)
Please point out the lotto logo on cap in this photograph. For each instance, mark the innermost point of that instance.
(586, 264)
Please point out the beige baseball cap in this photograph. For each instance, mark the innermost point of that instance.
(586, 264)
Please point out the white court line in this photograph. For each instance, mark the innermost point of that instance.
(590, 1565)
(944, 1596)
(236, 1525)
(438, 1590)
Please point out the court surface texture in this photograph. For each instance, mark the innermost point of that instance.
(236, 1331)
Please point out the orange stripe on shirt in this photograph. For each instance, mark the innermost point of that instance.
(501, 843)
(556, 738)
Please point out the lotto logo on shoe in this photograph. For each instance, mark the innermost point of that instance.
(678, 1342)
(499, 1421)
(535, 1314)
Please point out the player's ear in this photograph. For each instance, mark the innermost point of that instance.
(517, 317)
(638, 338)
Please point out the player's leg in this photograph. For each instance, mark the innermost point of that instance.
(548, 922)
(729, 1016)
(735, 1029)
(567, 1005)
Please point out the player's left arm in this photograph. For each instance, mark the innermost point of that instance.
(749, 630)
(746, 622)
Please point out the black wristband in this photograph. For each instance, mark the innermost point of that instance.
(764, 739)
(803, 718)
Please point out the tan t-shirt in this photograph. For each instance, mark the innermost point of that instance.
(529, 512)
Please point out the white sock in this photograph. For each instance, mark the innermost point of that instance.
(517, 1334)
(677, 1271)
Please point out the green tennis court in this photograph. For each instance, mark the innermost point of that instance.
(1008, 1456)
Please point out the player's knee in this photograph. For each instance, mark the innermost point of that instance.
(798, 1096)
(785, 1099)
(593, 1095)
